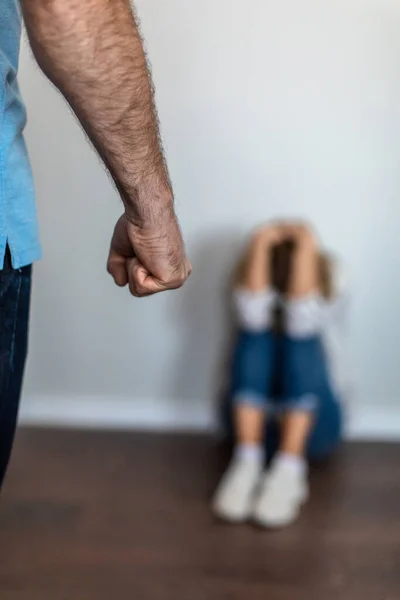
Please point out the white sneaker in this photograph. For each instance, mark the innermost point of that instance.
(281, 496)
(234, 498)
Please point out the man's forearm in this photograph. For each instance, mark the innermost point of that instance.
(92, 51)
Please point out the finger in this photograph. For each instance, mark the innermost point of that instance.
(132, 281)
(116, 267)
(146, 283)
(141, 283)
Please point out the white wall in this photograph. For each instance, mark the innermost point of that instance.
(268, 108)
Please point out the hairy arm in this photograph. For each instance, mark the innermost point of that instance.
(93, 53)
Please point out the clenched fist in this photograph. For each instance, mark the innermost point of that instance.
(150, 258)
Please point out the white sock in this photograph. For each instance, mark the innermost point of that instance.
(293, 462)
(253, 453)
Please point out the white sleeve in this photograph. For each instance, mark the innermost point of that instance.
(253, 309)
(311, 314)
(305, 316)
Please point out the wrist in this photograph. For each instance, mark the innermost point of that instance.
(149, 205)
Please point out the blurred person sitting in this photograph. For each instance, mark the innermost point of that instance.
(287, 380)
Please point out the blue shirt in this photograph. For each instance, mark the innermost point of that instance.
(18, 220)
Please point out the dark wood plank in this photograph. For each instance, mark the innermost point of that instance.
(88, 515)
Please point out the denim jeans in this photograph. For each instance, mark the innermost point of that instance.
(15, 288)
(280, 373)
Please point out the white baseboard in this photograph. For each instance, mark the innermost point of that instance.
(104, 412)
(88, 412)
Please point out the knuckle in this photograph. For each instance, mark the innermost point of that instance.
(180, 280)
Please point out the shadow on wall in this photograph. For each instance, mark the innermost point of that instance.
(204, 317)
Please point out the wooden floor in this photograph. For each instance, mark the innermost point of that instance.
(93, 516)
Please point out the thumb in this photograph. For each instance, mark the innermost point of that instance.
(141, 281)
